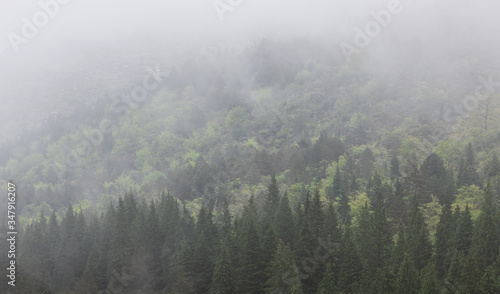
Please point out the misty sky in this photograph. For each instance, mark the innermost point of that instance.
(92, 46)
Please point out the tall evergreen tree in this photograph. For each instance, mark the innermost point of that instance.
(444, 239)
(408, 280)
(434, 175)
(285, 277)
(464, 232)
(430, 282)
(249, 270)
(419, 245)
(486, 238)
(272, 200)
(223, 279)
(284, 222)
(351, 265)
(467, 174)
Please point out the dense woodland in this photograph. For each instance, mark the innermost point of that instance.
(277, 169)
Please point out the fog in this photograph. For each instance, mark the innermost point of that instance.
(88, 48)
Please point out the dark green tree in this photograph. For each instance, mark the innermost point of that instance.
(223, 278)
(486, 240)
(408, 280)
(444, 239)
(284, 222)
(417, 238)
(285, 275)
(467, 174)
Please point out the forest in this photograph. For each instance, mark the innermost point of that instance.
(277, 168)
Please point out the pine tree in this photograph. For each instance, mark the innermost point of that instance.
(464, 232)
(268, 248)
(408, 280)
(400, 248)
(204, 251)
(493, 168)
(470, 276)
(223, 280)
(454, 277)
(284, 222)
(444, 239)
(486, 238)
(316, 215)
(467, 174)
(351, 265)
(249, 272)
(272, 200)
(490, 282)
(285, 277)
(434, 175)
(328, 283)
(394, 170)
(430, 282)
(417, 238)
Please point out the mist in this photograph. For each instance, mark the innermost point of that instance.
(90, 47)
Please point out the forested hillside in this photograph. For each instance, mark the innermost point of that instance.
(278, 169)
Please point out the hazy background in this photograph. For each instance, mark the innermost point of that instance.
(93, 47)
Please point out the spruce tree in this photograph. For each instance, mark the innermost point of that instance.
(249, 270)
(444, 239)
(430, 282)
(284, 222)
(272, 200)
(285, 276)
(486, 240)
(351, 265)
(223, 279)
(464, 232)
(328, 283)
(408, 280)
(417, 238)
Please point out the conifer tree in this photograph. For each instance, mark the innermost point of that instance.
(249, 272)
(417, 238)
(486, 240)
(444, 239)
(285, 277)
(430, 282)
(272, 200)
(467, 174)
(328, 283)
(464, 232)
(284, 222)
(408, 280)
(223, 279)
(351, 265)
